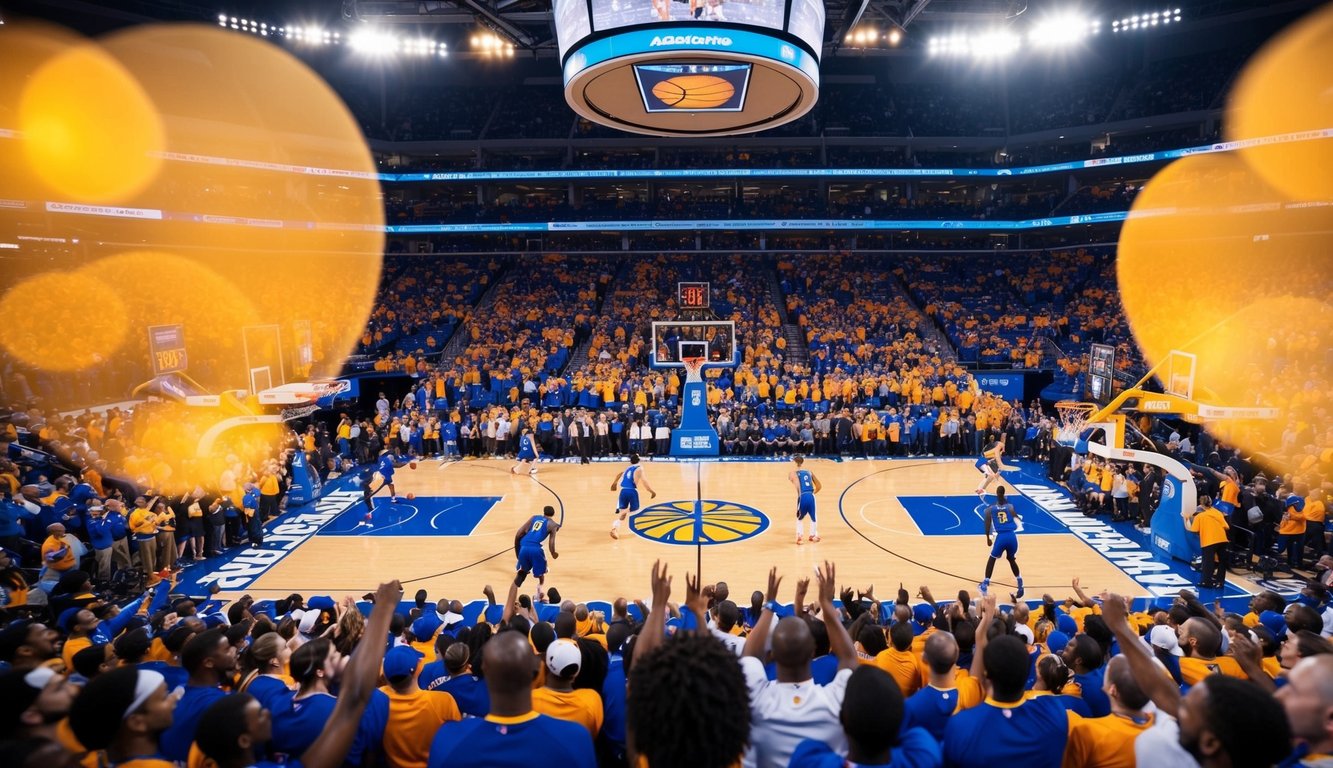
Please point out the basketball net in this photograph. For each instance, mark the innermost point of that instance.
(1074, 417)
(693, 368)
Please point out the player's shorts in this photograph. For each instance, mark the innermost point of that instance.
(527, 456)
(532, 559)
(987, 466)
(388, 477)
(629, 499)
(805, 506)
(1006, 545)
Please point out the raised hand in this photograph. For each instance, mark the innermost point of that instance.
(774, 581)
(827, 578)
(695, 599)
(802, 585)
(661, 584)
(389, 592)
(1113, 610)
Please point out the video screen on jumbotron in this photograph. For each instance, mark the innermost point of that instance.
(612, 14)
(705, 87)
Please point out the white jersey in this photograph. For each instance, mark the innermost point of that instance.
(784, 714)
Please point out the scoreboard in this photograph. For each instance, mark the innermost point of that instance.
(692, 295)
(166, 347)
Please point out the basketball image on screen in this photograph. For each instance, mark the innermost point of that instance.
(694, 87)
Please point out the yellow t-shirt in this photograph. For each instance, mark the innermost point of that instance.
(1104, 742)
(904, 666)
(580, 706)
(414, 717)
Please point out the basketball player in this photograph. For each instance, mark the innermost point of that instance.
(384, 469)
(528, 453)
(989, 464)
(628, 482)
(1004, 518)
(807, 485)
(528, 546)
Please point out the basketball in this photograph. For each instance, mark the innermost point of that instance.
(694, 92)
(412, 465)
(411, 497)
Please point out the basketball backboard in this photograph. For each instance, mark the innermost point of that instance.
(1178, 374)
(677, 340)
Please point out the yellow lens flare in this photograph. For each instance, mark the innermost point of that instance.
(1287, 88)
(63, 321)
(1213, 262)
(89, 131)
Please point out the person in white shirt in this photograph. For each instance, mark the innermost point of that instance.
(793, 708)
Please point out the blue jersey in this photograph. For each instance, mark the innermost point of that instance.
(627, 477)
(539, 527)
(385, 467)
(1030, 732)
(512, 742)
(526, 450)
(1004, 517)
(805, 481)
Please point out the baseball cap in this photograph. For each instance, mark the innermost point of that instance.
(66, 619)
(1056, 641)
(563, 658)
(923, 613)
(1164, 637)
(400, 661)
(1274, 622)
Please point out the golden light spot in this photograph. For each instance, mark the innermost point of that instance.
(1213, 262)
(1288, 87)
(62, 322)
(89, 130)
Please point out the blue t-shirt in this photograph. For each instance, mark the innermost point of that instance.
(930, 708)
(469, 692)
(299, 726)
(613, 701)
(176, 740)
(1091, 684)
(916, 749)
(526, 741)
(1031, 732)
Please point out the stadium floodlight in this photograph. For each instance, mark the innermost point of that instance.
(373, 42)
(1060, 29)
(994, 44)
(895, 36)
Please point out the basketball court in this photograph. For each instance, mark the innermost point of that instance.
(883, 522)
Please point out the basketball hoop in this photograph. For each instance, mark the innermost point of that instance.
(693, 368)
(1074, 417)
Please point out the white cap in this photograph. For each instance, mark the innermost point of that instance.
(563, 658)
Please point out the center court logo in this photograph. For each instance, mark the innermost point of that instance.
(689, 522)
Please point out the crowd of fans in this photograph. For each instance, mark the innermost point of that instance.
(803, 674)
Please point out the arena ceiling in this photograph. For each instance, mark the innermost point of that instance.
(528, 23)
